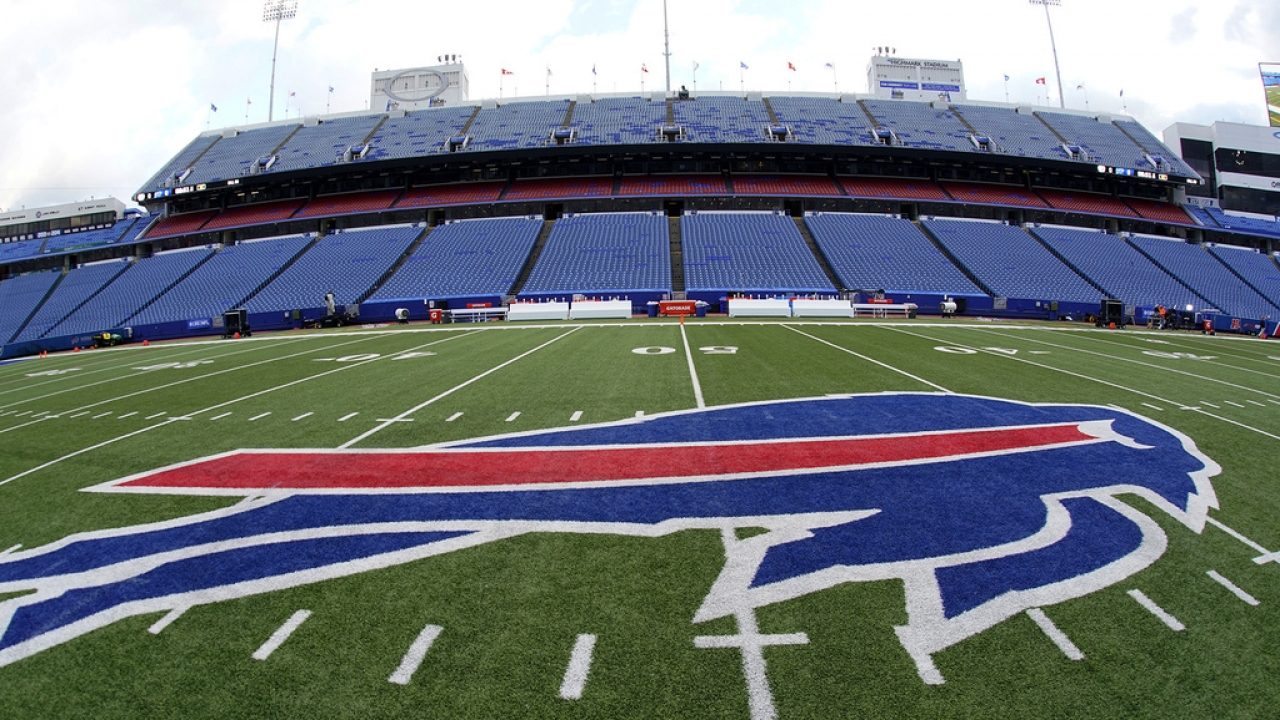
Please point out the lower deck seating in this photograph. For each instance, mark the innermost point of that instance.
(878, 252)
(1207, 276)
(77, 286)
(131, 291)
(1122, 271)
(19, 297)
(1010, 262)
(748, 252)
(464, 258)
(1258, 269)
(224, 281)
(346, 264)
(604, 253)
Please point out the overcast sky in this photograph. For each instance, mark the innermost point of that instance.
(96, 96)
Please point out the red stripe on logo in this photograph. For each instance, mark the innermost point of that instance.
(302, 470)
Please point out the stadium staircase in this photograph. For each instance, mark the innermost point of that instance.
(568, 115)
(773, 116)
(408, 253)
(285, 141)
(1050, 128)
(369, 138)
(466, 128)
(277, 273)
(35, 309)
(1171, 273)
(167, 288)
(538, 245)
(1062, 259)
(954, 260)
(677, 256)
(817, 253)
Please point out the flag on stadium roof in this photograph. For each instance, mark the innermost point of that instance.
(593, 68)
(744, 65)
(695, 66)
(831, 66)
(644, 68)
(330, 88)
(1040, 81)
(1006, 78)
(548, 71)
(215, 107)
(507, 72)
(791, 67)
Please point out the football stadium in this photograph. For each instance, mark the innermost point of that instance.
(672, 403)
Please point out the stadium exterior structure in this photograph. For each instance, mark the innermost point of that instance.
(793, 154)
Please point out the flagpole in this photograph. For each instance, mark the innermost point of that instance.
(666, 42)
(695, 76)
(1006, 89)
(742, 82)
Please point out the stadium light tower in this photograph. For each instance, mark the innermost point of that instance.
(275, 11)
(666, 43)
(1058, 71)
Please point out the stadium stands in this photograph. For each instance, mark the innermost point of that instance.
(181, 161)
(1105, 142)
(717, 119)
(1164, 212)
(516, 125)
(748, 252)
(1010, 262)
(1015, 133)
(618, 121)
(347, 264)
(824, 121)
(1258, 269)
(893, 188)
(183, 224)
(1085, 202)
(1206, 275)
(73, 241)
(1151, 144)
(921, 125)
(878, 252)
(348, 204)
(981, 194)
(806, 185)
(667, 185)
(604, 253)
(1122, 271)
(20, 296)
(131, 291)
(231, 157)
(441, 195)
(1242, 223)
(257, 214)
(76, 287)
(323, 144)
(418, 133)
(21, 250)
(559, 188)
(223, 281)
(464, 258)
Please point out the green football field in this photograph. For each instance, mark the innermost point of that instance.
(556, 621)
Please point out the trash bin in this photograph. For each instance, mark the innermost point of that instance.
(653, 308)
(700, 309)
(911, 311)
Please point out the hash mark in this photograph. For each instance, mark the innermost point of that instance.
(219, 417)
(101, 415)
(303, 415)
(1235, 589)
(131, 414)
(1215, 407)
(453, 417)
(575, 676)
(1229, 402)
(1154, 407)
(576, 416)
(259, 417)
(639, 413)
(1058, 637)
(1156, 610)
(24, 412)
(513, 416)
(413, 658)
(1255, 402)
(281, 634)
(153, 417)
(86, 412)
(347, 417)
(167, 620)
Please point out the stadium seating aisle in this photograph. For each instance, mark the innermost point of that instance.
(20, 296)
(1208, 277)
(231, 157)
(604, 253)
(418, 133)
(77, 286)
(222, 282)
(1155, 146)
(131, 291)
(464, 258)
(323, 144)
(748, 252)
(879, 252)
(922, 125)
(1014, 133)
(1010, 262)
(347, 264)
(1122, 271)
(1105, 142)
(181, 161)
(1258, 269)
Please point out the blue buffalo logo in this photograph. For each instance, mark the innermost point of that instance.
(983, 508)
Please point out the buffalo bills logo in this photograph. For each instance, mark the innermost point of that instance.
(983, 508)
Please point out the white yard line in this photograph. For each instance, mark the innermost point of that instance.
(1058, 637)
(259, 416)
(388, 422)
(575, 676)
(693, 371)
(1235, 589)
(417, 652)
(1156, 610)
(886, 366)
(280, 635)
(168, 619)
(1153, 407)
